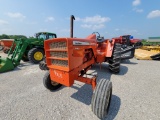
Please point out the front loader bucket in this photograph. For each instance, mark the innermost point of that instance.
(6, 65)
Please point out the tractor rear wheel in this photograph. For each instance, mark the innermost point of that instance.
(49, 84)
(115, 60)
(35, 55)
(101, 98)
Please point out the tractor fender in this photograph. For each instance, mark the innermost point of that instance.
(109, 47)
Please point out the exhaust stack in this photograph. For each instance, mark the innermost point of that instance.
(71, 27)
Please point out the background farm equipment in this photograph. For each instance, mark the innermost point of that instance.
(27, 50)
(128, 40)
(128, 46)
(5, 45)
(149, 51)
(69, 59)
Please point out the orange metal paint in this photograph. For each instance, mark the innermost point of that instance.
(90, 81)
(64, 69)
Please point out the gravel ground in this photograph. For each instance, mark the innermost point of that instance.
(136, 94)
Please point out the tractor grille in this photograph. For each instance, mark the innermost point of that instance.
(59, 54)
(63, 63)
(58, 45)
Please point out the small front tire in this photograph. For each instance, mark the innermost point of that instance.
(101, 98)
(50, 84)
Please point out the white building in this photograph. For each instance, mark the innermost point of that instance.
(153, 39)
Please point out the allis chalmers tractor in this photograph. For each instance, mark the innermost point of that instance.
(27, 50)
(69, 59)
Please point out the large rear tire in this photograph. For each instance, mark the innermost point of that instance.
(101, 98)
(35, 55)
(115, 60)
(49, 84)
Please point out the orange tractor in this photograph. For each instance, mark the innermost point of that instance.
(69, 59)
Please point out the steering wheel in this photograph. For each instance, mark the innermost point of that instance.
(98, 36)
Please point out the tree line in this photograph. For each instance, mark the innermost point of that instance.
(4, 36)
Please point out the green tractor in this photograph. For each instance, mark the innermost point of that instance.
(27, 50)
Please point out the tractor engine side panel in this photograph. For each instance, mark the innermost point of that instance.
(81, 51)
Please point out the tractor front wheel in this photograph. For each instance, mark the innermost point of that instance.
(35, 55)
(49, 84)
(101, 98)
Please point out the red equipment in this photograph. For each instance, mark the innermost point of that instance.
(129, 41)
(5, 44)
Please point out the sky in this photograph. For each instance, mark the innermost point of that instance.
(111, 18)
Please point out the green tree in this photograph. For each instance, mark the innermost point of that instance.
(17, 37)
(4, 36)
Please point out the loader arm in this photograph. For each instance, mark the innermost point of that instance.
(18, 52)
(13, 60)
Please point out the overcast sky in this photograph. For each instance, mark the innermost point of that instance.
(111, 18)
